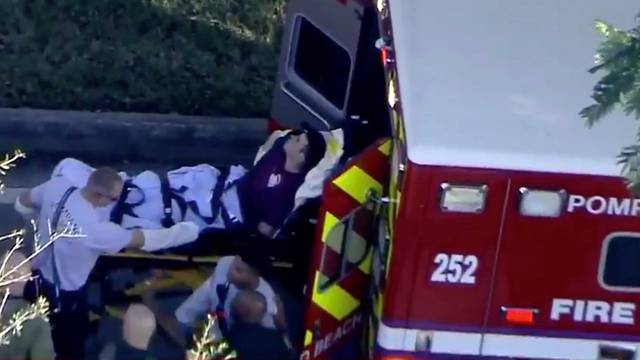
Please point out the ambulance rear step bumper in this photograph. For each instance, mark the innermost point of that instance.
(434, 344)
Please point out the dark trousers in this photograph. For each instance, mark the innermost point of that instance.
(69, 319)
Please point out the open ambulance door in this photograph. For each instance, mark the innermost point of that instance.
(316, 66)
(330, 74)
(342, 257)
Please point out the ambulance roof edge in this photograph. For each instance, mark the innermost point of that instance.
(500, 84)
(518, 161)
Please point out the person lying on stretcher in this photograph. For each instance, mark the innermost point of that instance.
(256, 200)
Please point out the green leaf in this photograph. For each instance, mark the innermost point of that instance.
(632, 103)
(604, 28)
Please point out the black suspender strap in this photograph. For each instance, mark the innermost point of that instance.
(169, 194)
(121, 207)
(217, 206)
(167, 212)
(222, 290)
(216, 195)
(55, 219)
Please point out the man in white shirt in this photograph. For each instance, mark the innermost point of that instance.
(73, 236)
(232, 274)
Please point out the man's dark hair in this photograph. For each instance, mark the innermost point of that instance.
(256, 259)
(249, 306)
(317, 147)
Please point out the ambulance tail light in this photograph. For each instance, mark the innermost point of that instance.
(519, 316)
(386, 52)
(541, 203)
(385, 56)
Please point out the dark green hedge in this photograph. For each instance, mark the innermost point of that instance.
(213, 57)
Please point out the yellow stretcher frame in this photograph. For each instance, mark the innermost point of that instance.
(175, 277)
(213, 259)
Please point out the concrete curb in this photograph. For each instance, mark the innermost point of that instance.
(131, 137)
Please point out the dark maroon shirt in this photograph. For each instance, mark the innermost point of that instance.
(267, 192)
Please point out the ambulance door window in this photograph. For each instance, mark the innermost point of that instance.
(357, 243)
(346, 246)
(620, 262)
(331, 265)
(321, 63)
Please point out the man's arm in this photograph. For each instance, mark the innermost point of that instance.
(268, 145)
(178, 327)
(266, 229)
(30, 201)
(25, 200)
(198, 304)
(273, 220)
(158, 239)
(137, 240)
(168, 323)
(111, 238)
(280, 318)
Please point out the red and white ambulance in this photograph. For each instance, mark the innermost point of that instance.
(489, 221)
(472, 214)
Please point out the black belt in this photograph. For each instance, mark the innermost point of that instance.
(169, 194)
(59, 299)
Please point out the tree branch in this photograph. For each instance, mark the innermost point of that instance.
(8, 163)
(13, 234)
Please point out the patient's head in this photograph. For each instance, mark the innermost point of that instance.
(305, 148)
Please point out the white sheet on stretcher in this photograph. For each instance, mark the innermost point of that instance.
(197, 181)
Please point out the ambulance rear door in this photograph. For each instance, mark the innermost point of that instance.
(317, 62)
(342, 257)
